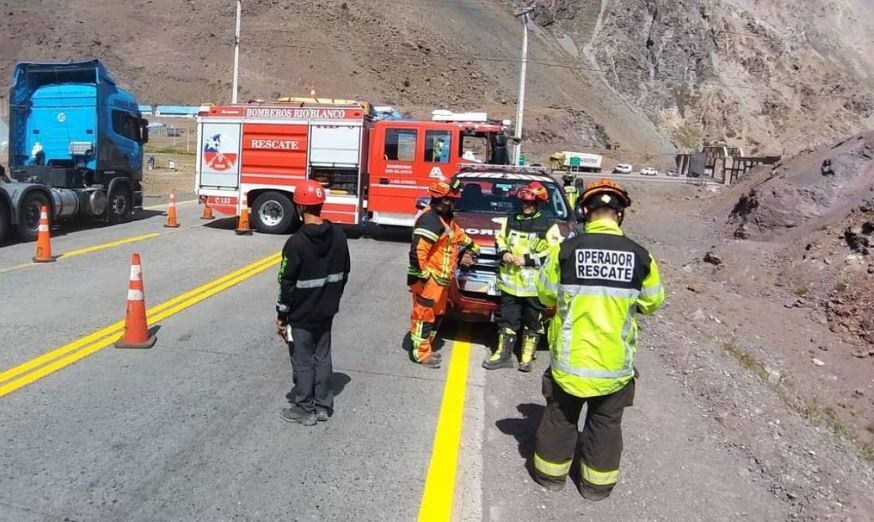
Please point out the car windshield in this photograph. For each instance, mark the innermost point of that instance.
(498, 196)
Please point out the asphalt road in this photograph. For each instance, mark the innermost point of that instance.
(189, 430)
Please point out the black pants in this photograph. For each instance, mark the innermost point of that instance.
(600, 444)
(311, 367)
(520, 311)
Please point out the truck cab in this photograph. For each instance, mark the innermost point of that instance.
(75, 145)
(406, 156)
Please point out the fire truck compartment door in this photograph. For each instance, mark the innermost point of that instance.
(335, 146)
(220, 155)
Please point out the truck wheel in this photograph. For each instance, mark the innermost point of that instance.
(118, 206)
(28, 216)
(273, 213)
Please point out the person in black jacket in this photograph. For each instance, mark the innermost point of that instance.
(312, 276)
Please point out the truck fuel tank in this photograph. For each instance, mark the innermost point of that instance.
(70, 203)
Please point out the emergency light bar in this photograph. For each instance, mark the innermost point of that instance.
(508, 169)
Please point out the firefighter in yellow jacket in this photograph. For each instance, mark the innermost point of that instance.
(598, 281)
(437, 243)
(570, 190)
(522, 244)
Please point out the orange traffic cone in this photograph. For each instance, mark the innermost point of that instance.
(44, 240)
(136, 331)
(207, 211)
(171, 213)
(243, 223)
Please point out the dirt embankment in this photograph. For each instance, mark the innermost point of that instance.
(819, 206)
(767, 365)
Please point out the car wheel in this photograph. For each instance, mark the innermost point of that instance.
(273, 213)
(28, 215)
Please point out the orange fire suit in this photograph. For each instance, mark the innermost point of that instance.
(434, 252)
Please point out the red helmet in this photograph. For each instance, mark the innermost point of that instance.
(441, 189)
(534, 191)
(309, 193)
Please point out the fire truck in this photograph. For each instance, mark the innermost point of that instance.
(373, 170)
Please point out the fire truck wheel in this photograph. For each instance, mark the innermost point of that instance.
(272, 213)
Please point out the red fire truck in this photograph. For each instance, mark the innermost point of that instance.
(373, 171)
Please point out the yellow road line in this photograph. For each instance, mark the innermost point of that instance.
(95, 248)
(88, 250)
(165, 205)
(439, 494)
(18, 267)
(81, 348)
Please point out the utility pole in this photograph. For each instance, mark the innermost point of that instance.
(520, 105)
(237, 52)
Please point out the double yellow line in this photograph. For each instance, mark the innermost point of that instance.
(30, 371)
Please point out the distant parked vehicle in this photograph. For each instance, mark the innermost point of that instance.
(649, 171)
(622, 168)
(673, 173)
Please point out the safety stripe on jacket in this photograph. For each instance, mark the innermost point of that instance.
(321, 281)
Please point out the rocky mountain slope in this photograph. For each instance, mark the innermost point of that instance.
(768, 75)
(631, 78)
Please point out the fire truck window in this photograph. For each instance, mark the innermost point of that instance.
(474, 148)
(437, 146)
(400, 144)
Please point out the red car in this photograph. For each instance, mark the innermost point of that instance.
(488, 193)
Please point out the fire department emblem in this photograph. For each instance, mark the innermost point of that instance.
(216, 158)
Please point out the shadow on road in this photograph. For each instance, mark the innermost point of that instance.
(523, 429)
(228, 223)
(339, 382)
(77, 225)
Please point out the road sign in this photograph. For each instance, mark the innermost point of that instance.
(575, 161)
(521, 159)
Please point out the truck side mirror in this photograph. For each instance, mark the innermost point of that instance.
(144, 125)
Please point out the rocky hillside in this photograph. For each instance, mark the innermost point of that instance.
(770, 76)
(632, 78)
(818, 208)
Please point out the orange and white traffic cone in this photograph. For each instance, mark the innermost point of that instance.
(243, 223)
(207, 211)
(44, 239)
(136, 331)
(171, 213)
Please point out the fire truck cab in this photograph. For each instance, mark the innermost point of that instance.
(373, 171)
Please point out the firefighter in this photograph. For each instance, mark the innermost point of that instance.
(522, 244)
(438, 243)
(312, 276)
(570, 190)
(597, 281)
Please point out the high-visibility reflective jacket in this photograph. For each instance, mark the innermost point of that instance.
(434, 251)
(529, 237)
(572, 193)
(598, 281)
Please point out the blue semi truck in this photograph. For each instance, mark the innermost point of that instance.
(75, 145)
